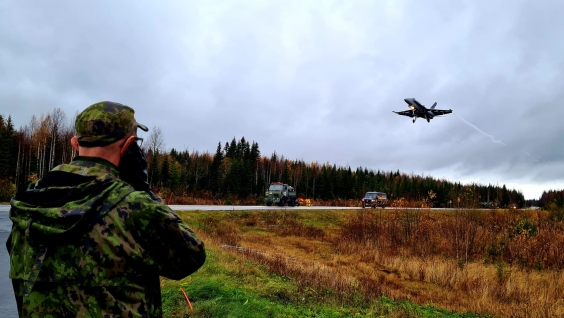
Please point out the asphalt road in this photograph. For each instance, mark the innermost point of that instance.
(259, 207)
(252, 207)
(7, 300)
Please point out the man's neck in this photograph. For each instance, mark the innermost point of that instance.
(111, 156)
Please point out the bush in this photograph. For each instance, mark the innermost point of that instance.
(557, 215)
(7, 190)
(229, 200)
(524, 228)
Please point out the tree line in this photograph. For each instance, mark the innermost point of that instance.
(552, 196)
(236, 169)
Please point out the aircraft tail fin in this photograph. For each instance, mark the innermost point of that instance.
(433, 107)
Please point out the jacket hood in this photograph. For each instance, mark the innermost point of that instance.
(64, 203)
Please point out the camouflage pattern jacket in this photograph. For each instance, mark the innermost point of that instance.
(86, 244)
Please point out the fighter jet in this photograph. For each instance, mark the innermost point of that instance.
(418, 110)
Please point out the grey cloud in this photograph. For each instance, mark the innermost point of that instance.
(313, 81)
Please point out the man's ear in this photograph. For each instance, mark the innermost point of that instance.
(74, 142)
(128, 141)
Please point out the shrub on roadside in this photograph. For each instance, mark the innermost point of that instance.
(7, 190)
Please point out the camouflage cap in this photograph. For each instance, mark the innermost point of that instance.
(104, 123)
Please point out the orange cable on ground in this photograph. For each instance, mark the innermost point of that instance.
(187, 300)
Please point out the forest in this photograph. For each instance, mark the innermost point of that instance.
(236, 172)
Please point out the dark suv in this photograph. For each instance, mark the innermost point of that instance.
(374, 199)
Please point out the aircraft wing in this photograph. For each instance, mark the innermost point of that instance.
(408, 113)
(439, 112)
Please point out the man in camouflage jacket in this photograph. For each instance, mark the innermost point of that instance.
(84, 242)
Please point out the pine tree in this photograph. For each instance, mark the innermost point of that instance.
(155, 169)
(254, 159)
(214, 179)
(505, 197)
(165, 170)
(232, 149)
(234, 177)
(12, 144)
(5, 150)
(174, 175)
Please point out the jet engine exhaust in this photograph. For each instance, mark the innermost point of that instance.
(481, 131)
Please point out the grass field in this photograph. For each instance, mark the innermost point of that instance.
(404, 263)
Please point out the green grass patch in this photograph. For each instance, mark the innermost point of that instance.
(230, 286)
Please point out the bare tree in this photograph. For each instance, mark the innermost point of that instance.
(201, 165)
(155, 142)
(56, 124)
(154, 145)
(71, 131)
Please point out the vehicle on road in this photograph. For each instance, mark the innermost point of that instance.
(281, 194)
(374, 199)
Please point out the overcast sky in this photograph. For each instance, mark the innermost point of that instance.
(312, 80)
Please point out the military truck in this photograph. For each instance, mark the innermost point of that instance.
(281, 194)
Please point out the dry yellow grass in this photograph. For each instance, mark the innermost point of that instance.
(315, 250)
